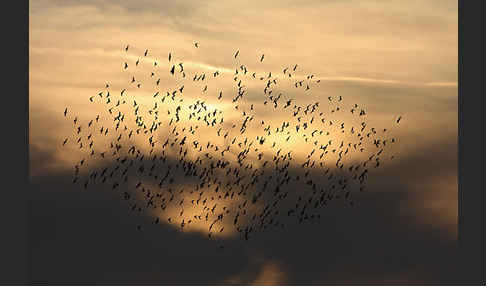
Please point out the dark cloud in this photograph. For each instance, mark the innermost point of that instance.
(88, 237)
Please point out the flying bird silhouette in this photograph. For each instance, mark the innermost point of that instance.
(192, 161)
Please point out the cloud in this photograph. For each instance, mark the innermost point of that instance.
(378, 39)
(389, 58)
(270, 275)
(382, 234)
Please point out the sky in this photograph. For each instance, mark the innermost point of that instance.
(393, 58)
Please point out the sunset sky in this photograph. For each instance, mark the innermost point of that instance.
(394, 58)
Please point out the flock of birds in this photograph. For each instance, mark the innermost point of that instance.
(180, 159)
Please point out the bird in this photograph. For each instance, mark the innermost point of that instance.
(233, 176)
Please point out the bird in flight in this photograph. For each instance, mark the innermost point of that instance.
(178, 149)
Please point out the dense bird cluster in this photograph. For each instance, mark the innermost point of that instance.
(193, 160)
